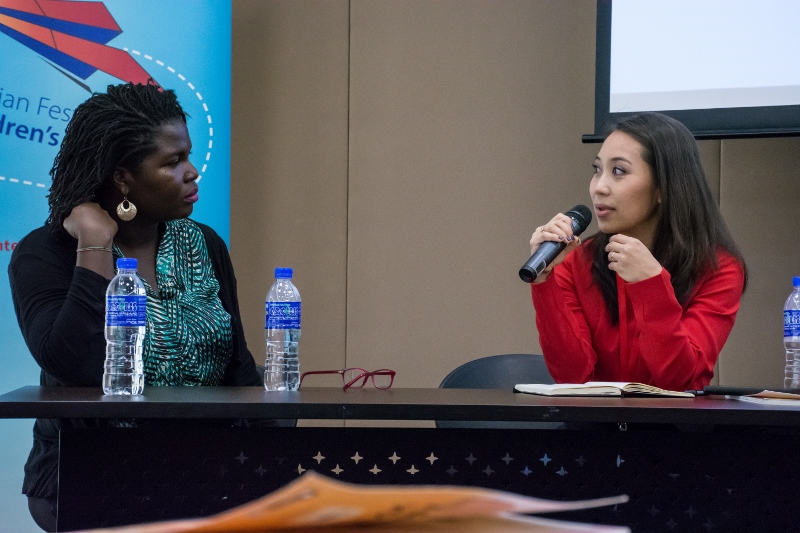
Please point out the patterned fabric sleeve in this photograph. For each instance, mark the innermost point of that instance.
(241, 369)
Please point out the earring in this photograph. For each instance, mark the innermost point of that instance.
(126, 213)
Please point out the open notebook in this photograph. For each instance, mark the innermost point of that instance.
(599, 388)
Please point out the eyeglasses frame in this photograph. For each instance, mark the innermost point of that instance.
(363, 375)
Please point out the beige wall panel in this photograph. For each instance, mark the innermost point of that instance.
(465, 127)
(289, 165)
(760, 192)
(709, 153)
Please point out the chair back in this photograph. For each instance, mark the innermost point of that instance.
(498, 372)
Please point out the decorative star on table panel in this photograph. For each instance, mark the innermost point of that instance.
(337, 470)
(319, 457)
(375, 470)
(394, 458)
(356, 458)
(507, 459)
(471, 459)
(432, 458)
(545, 459)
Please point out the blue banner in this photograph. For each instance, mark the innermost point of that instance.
(55, 53)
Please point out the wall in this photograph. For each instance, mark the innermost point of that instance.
(759, 196)
(399, 154)
(290, 157)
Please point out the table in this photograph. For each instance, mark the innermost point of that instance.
(394, 404)
(687, 464)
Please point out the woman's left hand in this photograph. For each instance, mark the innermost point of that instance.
(631, 259)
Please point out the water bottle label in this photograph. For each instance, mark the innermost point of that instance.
(282, 315)
(791, 323)
(126, 310)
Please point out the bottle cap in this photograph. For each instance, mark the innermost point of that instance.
(283, 273)
(796, 281)
(127, 262)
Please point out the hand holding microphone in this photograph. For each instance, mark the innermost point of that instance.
(573, 222)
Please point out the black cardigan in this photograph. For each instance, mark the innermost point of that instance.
(61, 312)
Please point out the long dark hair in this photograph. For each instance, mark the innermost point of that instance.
(110, 130)
(690, 229)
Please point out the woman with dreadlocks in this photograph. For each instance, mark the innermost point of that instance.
(123, 186)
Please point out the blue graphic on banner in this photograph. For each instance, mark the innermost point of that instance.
(54, 55)
(282, 315)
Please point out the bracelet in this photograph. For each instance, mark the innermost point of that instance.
(94, 249)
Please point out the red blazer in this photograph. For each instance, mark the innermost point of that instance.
(656, 341)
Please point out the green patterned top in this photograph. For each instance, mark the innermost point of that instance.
(188, 339)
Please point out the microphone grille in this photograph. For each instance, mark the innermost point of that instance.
(582, 215)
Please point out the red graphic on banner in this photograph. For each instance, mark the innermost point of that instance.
(73, 35)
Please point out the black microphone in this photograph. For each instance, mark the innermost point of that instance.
(581, 218)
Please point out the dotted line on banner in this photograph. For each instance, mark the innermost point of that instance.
(199, 97)
(23, 182)
(189, 84)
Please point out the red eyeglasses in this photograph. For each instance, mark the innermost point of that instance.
(357, 377)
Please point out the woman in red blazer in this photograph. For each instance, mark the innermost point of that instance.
(651, 297)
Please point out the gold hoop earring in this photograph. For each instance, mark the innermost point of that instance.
(126, 213)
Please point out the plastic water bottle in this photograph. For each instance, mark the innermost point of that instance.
(126, 320)
(791, 337)
(282, 327)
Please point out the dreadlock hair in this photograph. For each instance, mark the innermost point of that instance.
(690, 229)
(110, 130)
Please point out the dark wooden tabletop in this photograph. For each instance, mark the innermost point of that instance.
(372, 404)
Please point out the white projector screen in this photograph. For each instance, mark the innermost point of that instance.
(725, 68)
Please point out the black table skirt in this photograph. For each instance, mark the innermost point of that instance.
(733, 480)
